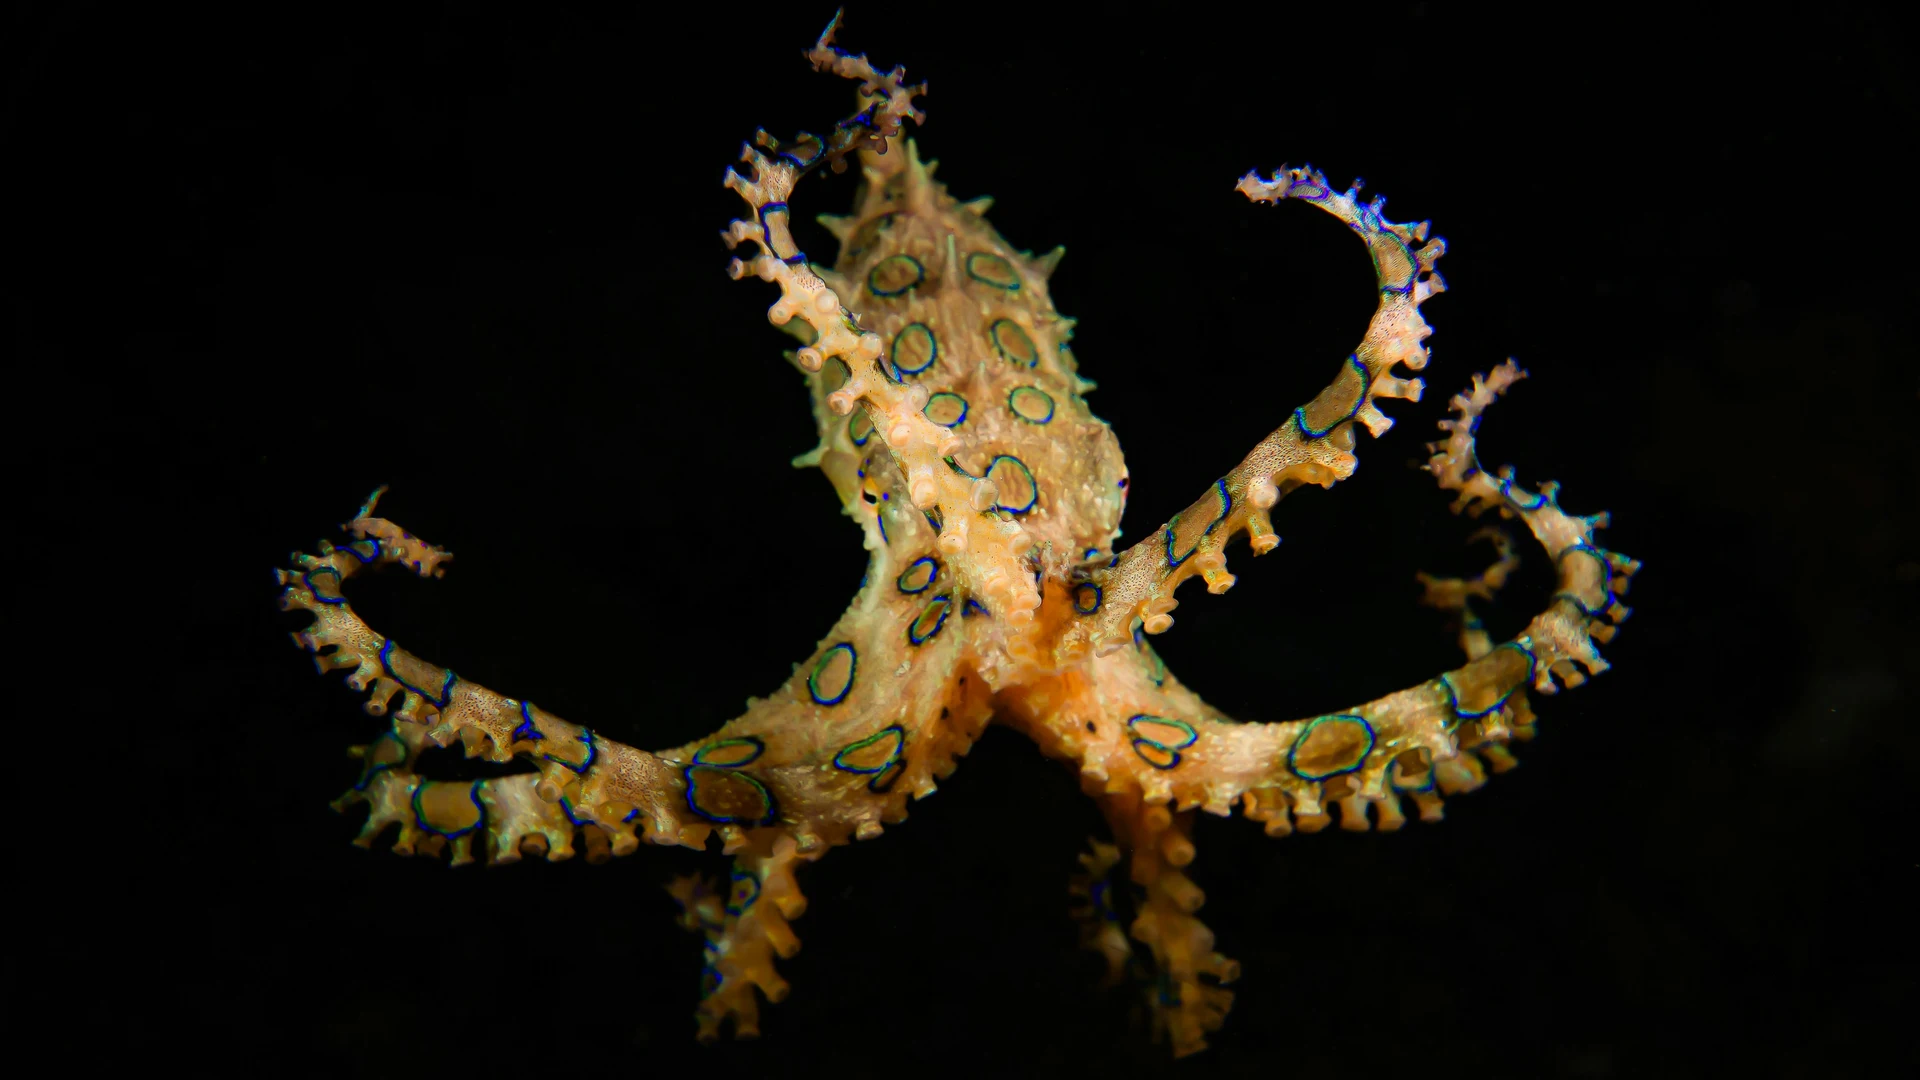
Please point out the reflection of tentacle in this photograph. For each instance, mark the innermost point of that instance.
(1314, 446)
(746, 927)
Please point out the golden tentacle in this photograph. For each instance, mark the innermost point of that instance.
(1314, 446)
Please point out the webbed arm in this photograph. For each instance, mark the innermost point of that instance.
(1314, 446)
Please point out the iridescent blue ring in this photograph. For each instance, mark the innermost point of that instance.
(945, 603)
(1366, 380)
(932, 574)
(853, 667)
(586, 736)
(759, 747)
(473, 792)
(1080, 602)
(446, 689)
(753, 894)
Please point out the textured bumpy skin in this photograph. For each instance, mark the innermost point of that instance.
(952, 425)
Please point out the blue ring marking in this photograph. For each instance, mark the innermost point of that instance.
(740, 908)
(1393, 779)
(371, 541)
(759, 747)
(1372, 740)
(473, 792)
(366, 775)
(307, 580)
(901, 581)
(946, 604)
(586, 736)
(967, 609)
(1606, 580)
(446, 690)
(798, 256)
(933, 349)
(1380, 232)
(853, 666)
(631, 814)
(920, 275)
(1453, 696)
(1316, 192)
(1366, 383)
(993, 334)
(899, 735)
(1044, 396)
(955, 466)
(1079, 594)
(1099, 895)
(859, 440)
(1011, 270)
(1156, 668)
(1033, 486)
(882, 782)
(1139, 740)
(880, 519)
(526, 732)
(686, 774)
(863, 118)
(961, 419)
(1506, 492)
(566, 808)
(1226, 507)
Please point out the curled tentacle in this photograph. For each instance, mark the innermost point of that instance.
(590, 778)
(1137, 729)
(1314, 446)
(1456, 595)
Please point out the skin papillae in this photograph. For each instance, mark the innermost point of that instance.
(953, 428)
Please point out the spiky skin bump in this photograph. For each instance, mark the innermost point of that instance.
(953, 428)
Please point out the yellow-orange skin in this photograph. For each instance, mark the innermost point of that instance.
(1026, 617)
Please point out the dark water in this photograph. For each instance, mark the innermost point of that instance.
(294, 256)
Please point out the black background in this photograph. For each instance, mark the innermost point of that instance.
(287, 257)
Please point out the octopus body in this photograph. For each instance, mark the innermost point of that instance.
(988, 496)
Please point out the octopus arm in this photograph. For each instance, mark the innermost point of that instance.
(882, 708)
(582, 779)
(1152, 752)
(1419, 743)
(1315, 444)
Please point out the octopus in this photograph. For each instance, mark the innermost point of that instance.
(953, 427)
